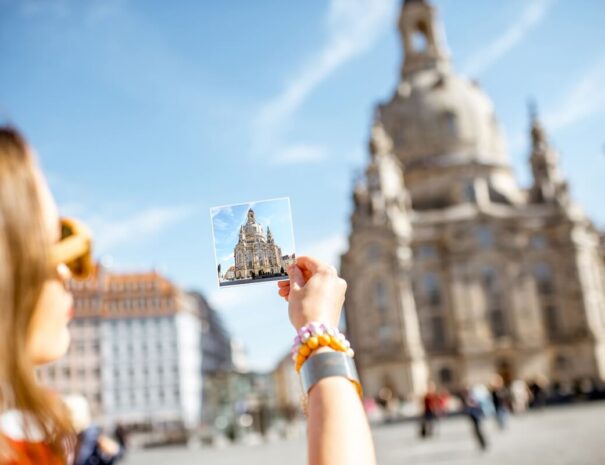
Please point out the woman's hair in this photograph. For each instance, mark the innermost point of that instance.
(24, 268)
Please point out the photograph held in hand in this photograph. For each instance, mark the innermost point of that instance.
(253, 241)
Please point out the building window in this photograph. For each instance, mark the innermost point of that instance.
(426, 251)
(538, 241)
(493, 301)
(431, 289)
(544, 279)
(438, 331)
(497, 322)
(469, 192)
(551, 317)
(561, 363)
(451, 123)
(485, 237)
(380, 296)
(384, 333)
(446, 375)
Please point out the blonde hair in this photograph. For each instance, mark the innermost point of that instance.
(24, 268)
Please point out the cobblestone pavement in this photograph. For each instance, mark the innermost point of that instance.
(571, 435)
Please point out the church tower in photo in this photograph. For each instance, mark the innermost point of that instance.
(455, 271)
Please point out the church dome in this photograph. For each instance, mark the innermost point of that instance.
(443, 126)
(439, 118)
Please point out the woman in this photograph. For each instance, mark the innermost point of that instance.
(37, 257)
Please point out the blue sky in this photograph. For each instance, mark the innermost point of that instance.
(226, 222)
(147, 113)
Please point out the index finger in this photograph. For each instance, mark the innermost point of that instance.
(309, 264)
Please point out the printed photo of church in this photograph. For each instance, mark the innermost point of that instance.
(253, 241)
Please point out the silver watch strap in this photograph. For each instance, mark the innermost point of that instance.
(325, 365)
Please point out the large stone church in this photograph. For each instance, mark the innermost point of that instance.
(456, 272)
(255, 253)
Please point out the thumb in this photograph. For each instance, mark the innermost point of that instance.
(297, 280)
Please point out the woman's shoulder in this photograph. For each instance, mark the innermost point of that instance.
(22, 442)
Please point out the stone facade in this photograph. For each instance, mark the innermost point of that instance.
(256, 254)
(455, 272)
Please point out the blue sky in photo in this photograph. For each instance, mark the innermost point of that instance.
(146, 113)
(226, 222)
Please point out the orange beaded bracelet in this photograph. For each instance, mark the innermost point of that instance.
(314, 336)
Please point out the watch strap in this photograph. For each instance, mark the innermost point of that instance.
(328, 364)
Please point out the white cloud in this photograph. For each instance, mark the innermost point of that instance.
(586, 98)
(301, 153)
(226, 257)
(112, 232)
(530, 17)
(352, 28)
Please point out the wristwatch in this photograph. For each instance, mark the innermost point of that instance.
(328, 364)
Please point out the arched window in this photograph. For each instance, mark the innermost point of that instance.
(451, 123)
(446, 375)
(420, 38)
(380, 296)
(544, 278)
(493, 301)
(432, 289)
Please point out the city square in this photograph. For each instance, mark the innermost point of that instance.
(564, 435)
(442, 162)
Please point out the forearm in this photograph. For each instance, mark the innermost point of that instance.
(338, 427)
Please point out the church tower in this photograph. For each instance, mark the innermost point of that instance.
(548, 185)
(380, 283)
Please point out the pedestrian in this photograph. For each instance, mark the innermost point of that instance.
(472, 409)
(501, 399)
(538, 387)
(520, 396)
(431, 403)
(121, 436)
(39, 254)
(92, 446)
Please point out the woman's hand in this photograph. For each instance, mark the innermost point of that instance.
(314, 292)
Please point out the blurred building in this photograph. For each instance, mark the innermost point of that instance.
(135, 353)
(217, 360)
(456, 272)
(288, 389)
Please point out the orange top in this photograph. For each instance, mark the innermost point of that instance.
(27, 448)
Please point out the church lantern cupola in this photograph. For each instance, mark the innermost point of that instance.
(421, 35)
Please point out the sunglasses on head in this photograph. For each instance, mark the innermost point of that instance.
(74, 249)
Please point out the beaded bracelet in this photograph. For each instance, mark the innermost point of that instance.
(314, 336)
